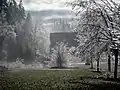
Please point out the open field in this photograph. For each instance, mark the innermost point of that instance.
(56, 80)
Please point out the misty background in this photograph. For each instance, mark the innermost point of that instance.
(31, 42)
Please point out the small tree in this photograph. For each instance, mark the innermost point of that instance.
(58, 54)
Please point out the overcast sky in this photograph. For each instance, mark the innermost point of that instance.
(37, 5)
(45, 4)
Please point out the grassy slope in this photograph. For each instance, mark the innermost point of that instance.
(56, 80)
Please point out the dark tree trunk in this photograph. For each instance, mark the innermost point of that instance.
(1, 45)
(98, 63)
(91, 63)
(109, 63)
(59, 60)
(116, 63)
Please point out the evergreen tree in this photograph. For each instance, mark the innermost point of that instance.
(10, 13)
(28, 25)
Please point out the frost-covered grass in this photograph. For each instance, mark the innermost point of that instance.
(56, 80)
(19, 64)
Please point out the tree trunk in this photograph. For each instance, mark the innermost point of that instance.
(98, 63)
(91, 63)
(116, 63)
(98, 69)
(1, 45)
(59, 60)
(109, 63)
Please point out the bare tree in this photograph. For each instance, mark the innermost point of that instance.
(58, 54)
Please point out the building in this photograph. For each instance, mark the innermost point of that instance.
(67, 37)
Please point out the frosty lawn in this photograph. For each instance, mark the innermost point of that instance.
(56, 80)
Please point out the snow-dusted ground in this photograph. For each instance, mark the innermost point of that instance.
(38, 66)
(103, 66)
